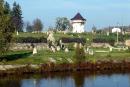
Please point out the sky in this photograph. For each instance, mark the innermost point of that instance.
(101, 13)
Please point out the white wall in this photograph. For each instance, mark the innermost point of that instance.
(78, 27)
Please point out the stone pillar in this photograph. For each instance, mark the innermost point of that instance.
(34, 50)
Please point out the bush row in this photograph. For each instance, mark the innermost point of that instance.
(72, 40)
(103, 40)
(44, 40)
(108, 39)
(31, 40)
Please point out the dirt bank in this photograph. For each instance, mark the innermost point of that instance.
(52, 67)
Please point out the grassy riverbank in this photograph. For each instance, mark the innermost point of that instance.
(43, 56)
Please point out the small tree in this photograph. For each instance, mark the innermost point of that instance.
(37, 25)
(79, 54)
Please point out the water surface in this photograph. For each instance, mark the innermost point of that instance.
(68, 80)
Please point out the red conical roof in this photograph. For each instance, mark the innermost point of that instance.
(78, 17)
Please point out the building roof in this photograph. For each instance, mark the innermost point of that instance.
(78, 17)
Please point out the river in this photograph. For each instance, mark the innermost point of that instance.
(78, 79)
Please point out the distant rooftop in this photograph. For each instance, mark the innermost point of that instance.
(78, 17)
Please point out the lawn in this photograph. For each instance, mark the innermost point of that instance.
(27, 34)
(43, 56)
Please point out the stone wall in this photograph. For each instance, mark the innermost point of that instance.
(100, 45)
(27, 46)
(127, 42)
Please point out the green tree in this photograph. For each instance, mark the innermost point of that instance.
(7, 8)
(62, 23)
(17, 17)
(6, 29)
(37, 25)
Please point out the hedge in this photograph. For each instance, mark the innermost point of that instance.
(72, 40)
(31, 40)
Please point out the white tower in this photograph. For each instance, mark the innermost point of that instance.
(78, 23)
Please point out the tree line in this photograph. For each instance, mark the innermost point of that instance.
(109, 29)
(37, 26)
(61, 24)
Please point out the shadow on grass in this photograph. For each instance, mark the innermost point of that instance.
(16, 56)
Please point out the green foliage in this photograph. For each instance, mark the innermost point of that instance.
(111, 39)
(73, 40)
(79, 54)
(126, 36)
(25, 57)
(16, 15)
(28, 34)
(10, 56)
(7, 8)
(30, 40)
(62, 23)
(6, 28)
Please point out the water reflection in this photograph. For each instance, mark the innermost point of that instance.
(10, 83)
(79, 79)
(71, 80)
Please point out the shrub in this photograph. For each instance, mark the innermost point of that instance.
(30, 40)
(79, 54)
(73, 40)
(109, 40)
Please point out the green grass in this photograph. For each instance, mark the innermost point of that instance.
(26, 57)
(27, 34)
(100, 49)
(118, 56)
(42, 57)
